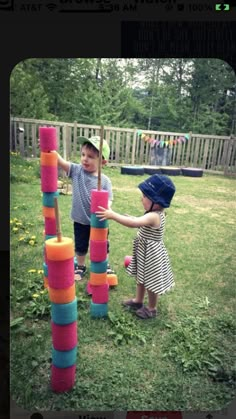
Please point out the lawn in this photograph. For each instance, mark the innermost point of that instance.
(182, 360)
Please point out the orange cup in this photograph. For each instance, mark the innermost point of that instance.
(98, 279)
(62, 296)
(48, 159)
(49, 212)
(98, 233)
(62, 250)
(112, 279)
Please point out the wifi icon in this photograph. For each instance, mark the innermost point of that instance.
(51, 6)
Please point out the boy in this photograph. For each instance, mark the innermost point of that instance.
(85, 178)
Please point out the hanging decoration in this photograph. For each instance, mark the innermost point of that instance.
(166, 142)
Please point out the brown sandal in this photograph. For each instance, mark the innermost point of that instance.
(132, 304)
(145, 313)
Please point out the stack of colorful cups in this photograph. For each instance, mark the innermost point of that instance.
(49, 174)
(98, 256)
(60, 262)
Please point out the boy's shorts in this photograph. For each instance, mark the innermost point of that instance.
(81, 235)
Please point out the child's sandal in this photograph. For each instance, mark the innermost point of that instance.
(79, 272)
(145, 313)
(132, 304)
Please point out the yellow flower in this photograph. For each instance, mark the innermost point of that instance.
(32, 270)
(35, 295)
(15, 229)
(40, 271)
(18, 224)
(15, 208)
(31, 242)
(33, 237)
(11, 221)
(20, 239)
(41, 292)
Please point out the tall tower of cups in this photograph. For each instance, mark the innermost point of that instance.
(98, 256)
(58, 272)
(98, 283)
(49, 175)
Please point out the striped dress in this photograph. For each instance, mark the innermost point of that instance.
(150, 262)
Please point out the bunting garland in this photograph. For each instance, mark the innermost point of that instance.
(162, 143)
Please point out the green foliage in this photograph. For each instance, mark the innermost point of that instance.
(160, 94)
(181, 360)
(124, 329)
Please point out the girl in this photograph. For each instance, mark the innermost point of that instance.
(150, 262)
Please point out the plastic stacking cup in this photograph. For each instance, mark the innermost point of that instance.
(64, 337)
(60, 250)
(99, 198)
(49, 212)
(48, 138)
(48, 159)
(62, 379)
(95, 222)
(49, 175)
(98, 310)
(64, 359)
(64, 313)
(98, 250)
(127, 261)
(48, 198)
(62, 295)
(100, 294)
(98, 267)
(98, 279)
(50, 226)
(99, 234)
(112, 280)
(61, 273)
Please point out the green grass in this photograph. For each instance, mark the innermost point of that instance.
(182, 360)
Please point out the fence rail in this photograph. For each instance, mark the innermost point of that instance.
(209, 152)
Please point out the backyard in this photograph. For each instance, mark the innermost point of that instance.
(182, 360)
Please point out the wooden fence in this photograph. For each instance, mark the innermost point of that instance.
(209, 152)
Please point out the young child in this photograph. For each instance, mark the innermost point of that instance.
(85, 178)
(150, 261)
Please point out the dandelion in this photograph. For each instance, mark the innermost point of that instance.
(15, 229)
(31, 242)
(35, 295)
(32, 271)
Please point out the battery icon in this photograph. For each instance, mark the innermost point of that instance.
(221, 7)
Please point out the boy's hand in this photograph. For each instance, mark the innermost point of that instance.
(104, 214)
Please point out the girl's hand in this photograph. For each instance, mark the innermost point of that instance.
(104, 214)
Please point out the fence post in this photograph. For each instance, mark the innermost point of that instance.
(134, 146)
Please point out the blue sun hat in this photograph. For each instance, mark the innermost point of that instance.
(159, 189)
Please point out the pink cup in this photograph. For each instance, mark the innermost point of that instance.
(100, 293)
(48, 138)
(64, 337)
(49, 175)
(50, 226)
(127, 260)
(60, 273)
(98, 250)
(99, 198)
(62, 379)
